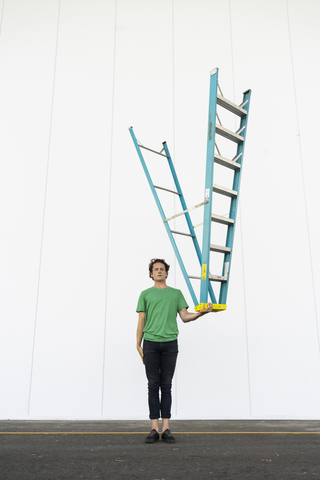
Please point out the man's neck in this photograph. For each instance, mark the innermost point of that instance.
(160, 284)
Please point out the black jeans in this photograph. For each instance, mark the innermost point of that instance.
(160, 362)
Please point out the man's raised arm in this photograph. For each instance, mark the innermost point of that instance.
(189, 317)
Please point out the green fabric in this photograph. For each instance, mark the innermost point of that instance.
(161, 306)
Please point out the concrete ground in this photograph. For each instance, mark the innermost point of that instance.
(44, 450)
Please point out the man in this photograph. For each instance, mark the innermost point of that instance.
(157, 326)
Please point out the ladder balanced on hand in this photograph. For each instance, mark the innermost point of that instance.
(213, 157)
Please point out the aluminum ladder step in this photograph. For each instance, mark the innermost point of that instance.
(212, 278)
(224, 191)
(219, 248)
(224, 132)
(232, 107)
(226, 163)
(222, 220)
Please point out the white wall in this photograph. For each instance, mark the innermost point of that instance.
(79, 225)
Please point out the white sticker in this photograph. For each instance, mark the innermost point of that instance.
(226, 269)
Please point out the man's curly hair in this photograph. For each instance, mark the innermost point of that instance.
(157, 260)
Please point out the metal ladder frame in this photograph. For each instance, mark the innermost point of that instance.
(208, 216)
(185, 212)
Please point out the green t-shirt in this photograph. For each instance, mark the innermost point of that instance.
(161, 306)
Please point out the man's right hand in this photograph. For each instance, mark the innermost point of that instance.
(140, 350)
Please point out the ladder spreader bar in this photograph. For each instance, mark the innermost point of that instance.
(167, 190)
(185, 211)
(198, 225)
(244, 103)
(154, 151)
(235, 159)
(215, 144)
(240, 130)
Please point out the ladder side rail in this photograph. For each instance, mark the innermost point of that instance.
(187, 215)
(171, 238)
(235, 201)
(204, 283)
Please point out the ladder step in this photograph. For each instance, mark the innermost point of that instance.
(232, 107)
(223, 220)
(219, 249)
(212, 278)
(167, 190)
(226, 163)
(224, 191)
(224, 132)
(154, 151)
(182, 233)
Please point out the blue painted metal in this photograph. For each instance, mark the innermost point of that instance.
(204, 256)
(235, 201)
(205, 263)
(187, 216)
(155, 195)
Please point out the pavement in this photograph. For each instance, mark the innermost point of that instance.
(212, 449)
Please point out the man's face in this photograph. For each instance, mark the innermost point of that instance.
(159, 272)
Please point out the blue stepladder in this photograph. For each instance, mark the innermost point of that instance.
(213, 157)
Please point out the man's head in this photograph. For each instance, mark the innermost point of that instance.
(159, 263)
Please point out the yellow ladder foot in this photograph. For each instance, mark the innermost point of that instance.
(217, 307)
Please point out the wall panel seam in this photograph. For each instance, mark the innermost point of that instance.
(241, 237)
(109, 209)
(44, 210)
(302, 175)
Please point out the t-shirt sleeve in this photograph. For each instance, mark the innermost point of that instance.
(181, 302)
(141, 307)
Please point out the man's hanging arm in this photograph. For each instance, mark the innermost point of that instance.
(141, 325)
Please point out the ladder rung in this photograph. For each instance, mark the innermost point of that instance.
(212, 278)
(219, 249)
(154, 151)
(226, 163)
(224, 132)
(167, 190)
(223, 220)
(182, 233)
(224, 191)
(232, 107)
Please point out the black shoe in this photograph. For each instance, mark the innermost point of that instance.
(152, 437)
(168, 437)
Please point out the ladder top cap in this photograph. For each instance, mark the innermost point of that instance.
(212, 72)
